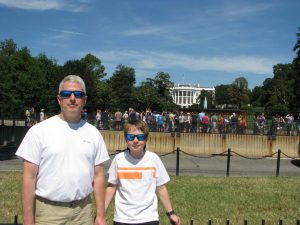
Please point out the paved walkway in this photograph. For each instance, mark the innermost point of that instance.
(198, 166)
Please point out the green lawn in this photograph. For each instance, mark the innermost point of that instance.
(201, 199)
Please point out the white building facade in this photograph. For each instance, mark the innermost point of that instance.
(186, 95)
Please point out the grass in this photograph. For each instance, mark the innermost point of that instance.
(200, 199)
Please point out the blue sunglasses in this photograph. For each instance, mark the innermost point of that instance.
(67, 94)
(131, 137)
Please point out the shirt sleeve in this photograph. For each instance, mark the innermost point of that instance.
(162, 174)
(112, 172)
(30, 148)
(101, 151)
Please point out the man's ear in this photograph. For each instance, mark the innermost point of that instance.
(58, 99)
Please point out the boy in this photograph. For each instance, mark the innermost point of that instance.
(135, 175)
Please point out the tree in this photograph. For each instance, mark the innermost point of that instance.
(256, 99)
(295, 103)
(147, 96)
(297, 45)
(23, 81)
(122, 88)
(241, 83)
(94, 65)
(52, 73)
(222, 95)
(278, 91)
(8, 47)
(163, 84)
(209, 95)
(238, 92)
(159, 96)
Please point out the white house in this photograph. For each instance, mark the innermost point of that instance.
(186, 95)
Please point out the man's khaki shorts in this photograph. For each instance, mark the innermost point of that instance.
(71, 213)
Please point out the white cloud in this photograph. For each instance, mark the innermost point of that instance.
(143, 31)
(67, 32)
(74, 6)
(164, 61)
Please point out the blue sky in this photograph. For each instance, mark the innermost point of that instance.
(206, 42)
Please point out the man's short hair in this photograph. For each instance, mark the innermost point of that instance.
(72, 78)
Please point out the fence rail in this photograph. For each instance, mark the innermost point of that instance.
(192, 143)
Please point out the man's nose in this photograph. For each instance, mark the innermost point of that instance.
(72, 96)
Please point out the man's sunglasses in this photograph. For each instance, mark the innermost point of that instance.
(67, 94)
(131, 137)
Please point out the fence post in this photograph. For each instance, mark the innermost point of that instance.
(177, 161)
(228, 162)
(278, 163)
(245, 221)
(280, 222)
(263, 222)
(16, 220)
(192, 222)
(298, 222)
(227, 222)
(209, 222)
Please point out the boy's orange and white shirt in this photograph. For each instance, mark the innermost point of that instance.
(136, 180)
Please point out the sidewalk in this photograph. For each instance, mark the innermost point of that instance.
(212, 166)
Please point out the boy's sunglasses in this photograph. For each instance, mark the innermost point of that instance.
(67, 94)
(131, 137)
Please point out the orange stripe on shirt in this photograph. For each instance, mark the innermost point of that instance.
(129, 175)
(136, 168)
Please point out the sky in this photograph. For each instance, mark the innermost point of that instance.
(205, 42)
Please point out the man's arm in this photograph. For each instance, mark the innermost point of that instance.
(30, 171)
(109, 194)
(99, 194)
(165, 200)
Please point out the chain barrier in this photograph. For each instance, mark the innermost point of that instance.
(238, 154)
(247, 157)
(289, 156)
(210, 156)
(117, 152)
(169, 153)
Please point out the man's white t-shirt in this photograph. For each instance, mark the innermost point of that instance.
(66, 154)
(136, 180)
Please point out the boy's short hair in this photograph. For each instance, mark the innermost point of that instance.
(138, 124)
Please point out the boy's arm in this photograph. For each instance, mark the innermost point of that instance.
(165, 200)
(109, 194)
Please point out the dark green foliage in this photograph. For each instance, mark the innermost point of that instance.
(122, 88)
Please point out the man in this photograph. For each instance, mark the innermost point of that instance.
(62, 164)
(118, 120)
(42, 115)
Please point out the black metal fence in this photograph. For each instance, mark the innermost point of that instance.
(209, 222)
(245, 222)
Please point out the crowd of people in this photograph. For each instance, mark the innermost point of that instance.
(202, 122)
(187, 121)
